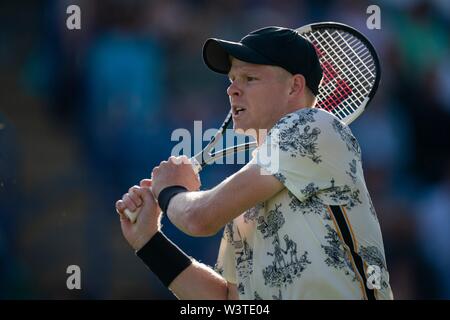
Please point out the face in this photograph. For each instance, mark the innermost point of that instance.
(258, 94)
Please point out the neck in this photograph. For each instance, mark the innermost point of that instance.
(261, 136)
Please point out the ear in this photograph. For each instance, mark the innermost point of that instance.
(298, 84)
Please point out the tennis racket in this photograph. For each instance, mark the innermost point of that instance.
(351, 74)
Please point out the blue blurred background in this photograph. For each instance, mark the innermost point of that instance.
(85, 114)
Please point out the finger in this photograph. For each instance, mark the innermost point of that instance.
(120, 207)
(179, 160)
(134, 196)
(146, 194)
(129, 204)
(174, 160)
(146, 183)
(185, 160)
(133, 187)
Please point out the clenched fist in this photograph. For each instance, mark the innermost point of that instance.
(176, 171)
(149, 220)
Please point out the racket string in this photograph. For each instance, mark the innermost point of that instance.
(350, 67)
(356, 54)
(357, 66)
(342, 49)
(335, 101)
(337, 46)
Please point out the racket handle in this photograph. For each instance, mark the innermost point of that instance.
(132, 215)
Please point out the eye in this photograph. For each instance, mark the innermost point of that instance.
(250, 78)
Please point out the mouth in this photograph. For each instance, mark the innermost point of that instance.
(237, 111)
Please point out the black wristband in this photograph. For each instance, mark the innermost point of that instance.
(164, 258)
(167, 194)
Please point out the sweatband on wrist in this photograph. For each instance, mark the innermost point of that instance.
(164, 258)
(167, 194)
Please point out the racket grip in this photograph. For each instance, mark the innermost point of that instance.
(132, 215)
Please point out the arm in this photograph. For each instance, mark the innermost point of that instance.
(204, 213)
(197, 281)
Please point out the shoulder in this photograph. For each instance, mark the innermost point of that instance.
(307, 116)
(310, 129)
(317, 121)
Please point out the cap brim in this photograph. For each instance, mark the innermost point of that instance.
(216, 54)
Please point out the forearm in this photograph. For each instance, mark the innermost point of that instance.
(204, 213)
(184, 209)
(199, 282)
(184, 276)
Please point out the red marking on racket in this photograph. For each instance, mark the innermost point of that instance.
(339, 94)
(329, 73)
(318, 51)
(342, 90)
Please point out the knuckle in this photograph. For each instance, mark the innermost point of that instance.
(133, 189)
(146, 192)
(186, 160)
(133, 196)
(128, 201)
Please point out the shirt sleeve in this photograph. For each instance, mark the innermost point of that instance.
(312, 153)
(226, 260)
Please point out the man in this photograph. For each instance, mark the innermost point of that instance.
(312, 193)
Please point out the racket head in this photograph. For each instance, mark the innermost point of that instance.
(351, 68)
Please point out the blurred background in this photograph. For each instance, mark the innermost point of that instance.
(85, 114)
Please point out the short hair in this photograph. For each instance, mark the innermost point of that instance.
(311, 99)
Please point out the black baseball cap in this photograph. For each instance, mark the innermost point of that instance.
(275, 46)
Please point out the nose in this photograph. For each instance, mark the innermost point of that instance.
(233, 90)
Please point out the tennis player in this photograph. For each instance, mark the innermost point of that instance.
(301, 226)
